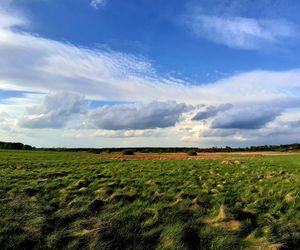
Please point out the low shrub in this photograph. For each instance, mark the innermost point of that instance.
(128, 152)
(192, 153)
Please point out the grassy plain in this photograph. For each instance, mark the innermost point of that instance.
(57, 200)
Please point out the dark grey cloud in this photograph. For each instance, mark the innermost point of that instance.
(254, 117)
(211, 111)
(55, 111)
(138, 116)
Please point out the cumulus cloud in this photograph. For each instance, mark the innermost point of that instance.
(241, 32)
(138, 116)
(211, 111)
(97, 3)
(55, 111)
(246, 118)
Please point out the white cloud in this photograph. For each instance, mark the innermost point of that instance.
(87, 133)
(241, 32)
(55, 112)
(8, 21)
(55, 66)
(97, 3)
(3, 114)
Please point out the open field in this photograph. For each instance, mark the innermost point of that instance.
(58, 200)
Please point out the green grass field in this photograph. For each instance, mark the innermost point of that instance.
(53, 200)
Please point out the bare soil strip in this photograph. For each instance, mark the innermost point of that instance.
(184, 156)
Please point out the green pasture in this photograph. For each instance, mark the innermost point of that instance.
(58, 200)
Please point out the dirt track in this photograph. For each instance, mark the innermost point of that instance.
(184, 156)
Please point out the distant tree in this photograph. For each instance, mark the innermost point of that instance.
(27, 147)
(128, 152)
(94, 151)
(228, 149)
(17, 146)
(61, 149)
(192, 153)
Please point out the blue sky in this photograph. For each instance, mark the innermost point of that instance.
(149, 73)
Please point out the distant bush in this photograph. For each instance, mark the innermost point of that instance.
(27, 147)
(128, 152)
(94, 151)
(192, 153)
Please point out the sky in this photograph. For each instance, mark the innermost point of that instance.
(115, 73)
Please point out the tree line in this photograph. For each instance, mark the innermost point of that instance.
(280, 148)
(15, 146)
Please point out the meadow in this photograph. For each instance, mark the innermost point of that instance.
(66, 200)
